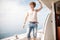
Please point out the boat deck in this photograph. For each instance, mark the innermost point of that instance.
(31, 39)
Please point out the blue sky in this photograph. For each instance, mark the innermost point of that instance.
(12, 13)
(26, 2)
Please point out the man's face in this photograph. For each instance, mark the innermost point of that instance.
(31, 6)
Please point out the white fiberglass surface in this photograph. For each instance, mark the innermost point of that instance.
(12, 13)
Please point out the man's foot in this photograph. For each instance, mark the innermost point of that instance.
(29, 38)
(34, 38)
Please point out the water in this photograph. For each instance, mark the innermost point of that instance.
(5, 35)
(12, 33)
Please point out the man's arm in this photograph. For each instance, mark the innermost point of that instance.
(25, 20)
(40, 6)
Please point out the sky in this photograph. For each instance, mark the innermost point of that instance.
(12, 13)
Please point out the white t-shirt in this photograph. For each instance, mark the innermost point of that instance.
(32, 16)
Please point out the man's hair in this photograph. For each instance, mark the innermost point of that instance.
(33, 3)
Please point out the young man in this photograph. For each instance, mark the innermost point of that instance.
(32, 16)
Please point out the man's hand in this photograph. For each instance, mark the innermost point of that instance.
(39, 1)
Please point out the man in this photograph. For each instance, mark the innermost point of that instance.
(32, 17)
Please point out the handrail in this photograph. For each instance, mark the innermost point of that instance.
(44, 25)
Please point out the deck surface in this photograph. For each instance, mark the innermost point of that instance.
(31, 39)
